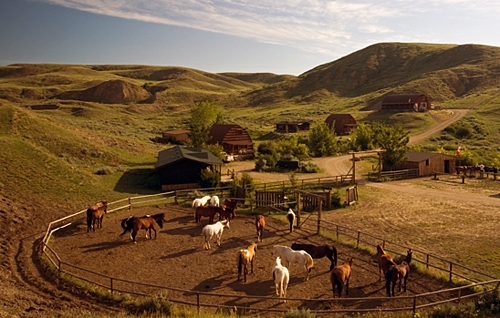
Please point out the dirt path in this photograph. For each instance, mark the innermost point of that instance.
(457, 115)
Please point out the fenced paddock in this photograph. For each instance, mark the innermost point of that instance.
(480, 283)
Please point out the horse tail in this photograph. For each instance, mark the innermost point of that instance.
(310, 262)
(89, 219)
(334, 249)
(337, 282)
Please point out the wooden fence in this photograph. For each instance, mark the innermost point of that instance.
(393, 175)
(341, 233)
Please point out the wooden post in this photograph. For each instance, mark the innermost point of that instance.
(298, 210)
(353, 180)
(319, 214)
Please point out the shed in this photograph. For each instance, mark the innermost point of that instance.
(292, 126)
(180, 167)
(179, 136)
(343, 124)
(428, 162)
(234, 139)
(408, 102)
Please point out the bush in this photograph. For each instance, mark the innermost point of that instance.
(104, 171)
(209, 179)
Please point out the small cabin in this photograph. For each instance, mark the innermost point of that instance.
(292, 126)
(179, 136)
(180, 167)
(343, 124)
(428, 163)
(411, 102)
(234, 139)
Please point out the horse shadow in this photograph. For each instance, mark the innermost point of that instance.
(210, 284)
(102, 246)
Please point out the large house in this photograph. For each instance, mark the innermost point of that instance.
(343, 124)
(180, 167)
(408, 102)
(234, 139)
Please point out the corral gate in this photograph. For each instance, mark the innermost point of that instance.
(311, 202)
(266, 198)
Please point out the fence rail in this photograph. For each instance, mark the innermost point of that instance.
(208, 300)
(393, 175)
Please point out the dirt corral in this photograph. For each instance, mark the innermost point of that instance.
(177, 259)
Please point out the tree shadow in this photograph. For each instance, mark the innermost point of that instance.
(141, 181)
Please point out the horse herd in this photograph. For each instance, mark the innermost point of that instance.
(472, 170)
(302, 254)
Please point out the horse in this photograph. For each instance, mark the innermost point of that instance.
(214, 201)
(290, 216)
(340, 276)
(213, 229)
(230, 204)
(281, 278)
(95, 214)
(210, 212)
(290, 256)
(245, 257)
(260, 223)
(398, 272)
(147, 222)
(128, 223)
(384, 261)
(199, 202)
(319, 251)
(226, 213)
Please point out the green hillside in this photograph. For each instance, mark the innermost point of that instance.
(75, 133)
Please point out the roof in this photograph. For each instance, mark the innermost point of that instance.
(284, 122)
(337, 117)
(177, 132)
(176, 153)
(219, 131)
(421, 156)
(400, 99)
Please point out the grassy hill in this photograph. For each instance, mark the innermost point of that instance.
(77, 133)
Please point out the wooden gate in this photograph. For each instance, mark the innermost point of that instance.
(266, 198)
(311, 202)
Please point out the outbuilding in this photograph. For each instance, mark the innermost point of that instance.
(234, 139)
(180, 167)
(343, 124)
(428, 163)
(292, 126)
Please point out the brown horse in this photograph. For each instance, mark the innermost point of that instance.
(340, 276)
(319, 251)
(95, 214)
(147, 222)
(260, 223)
(398, 272)
(384, 261)
(226, 213)
(231, 204)
(210, 212)
(245, 257)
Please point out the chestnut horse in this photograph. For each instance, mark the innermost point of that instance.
(260, 223)
(95, 214)
(147, 222)
(245, 257)
(340, 276)
(398, 272)
(210, 212)
(384, 261)
(319, 251)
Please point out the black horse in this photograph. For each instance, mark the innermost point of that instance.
(318, 251)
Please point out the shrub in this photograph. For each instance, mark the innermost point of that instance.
(104, 171)
(209, 179)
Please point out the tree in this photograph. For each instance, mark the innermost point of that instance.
(394, 141)
(203, 116)
(363, 138)
(323, 141)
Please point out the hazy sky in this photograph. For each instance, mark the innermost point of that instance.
(282, 37)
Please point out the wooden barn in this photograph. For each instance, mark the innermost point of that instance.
(292, 126)
(428, 162)
(343, 124)
(180, 167)
(410, 102)
(179, 136)
(234, 139)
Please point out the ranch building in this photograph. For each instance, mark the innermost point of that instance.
(234, 139)
(428, 163)
(411, 102)
(180, 167)
(179, 136)
(343, 124)
(292, 126)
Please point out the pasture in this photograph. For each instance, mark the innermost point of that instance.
(177, 259)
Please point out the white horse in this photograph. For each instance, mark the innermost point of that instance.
(281, 278)
(213, 229)
(290, 216)
(290, 256)
(199, 202)
(214, 201)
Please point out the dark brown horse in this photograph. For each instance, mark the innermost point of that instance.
(340, 276)
(398, 272)
(260, 223)
(134, 224)
(210, 212)
(95, 214)
(319, 251)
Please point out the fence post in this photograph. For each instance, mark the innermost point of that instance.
(129, 203)
(451, 269)
(427, 261)
(111, 284)
(337, 232)
(414, 305)
(357, 241)
(198, 302)
(319, 214)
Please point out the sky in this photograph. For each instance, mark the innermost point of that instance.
(250, 36)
